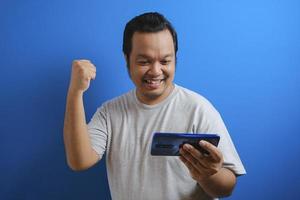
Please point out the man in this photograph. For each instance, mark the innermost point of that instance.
(123, 127)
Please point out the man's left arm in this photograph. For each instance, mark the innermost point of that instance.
(207, 170)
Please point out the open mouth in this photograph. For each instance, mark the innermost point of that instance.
(153, 83)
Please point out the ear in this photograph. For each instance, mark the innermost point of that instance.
(127, 64)
(125, 57)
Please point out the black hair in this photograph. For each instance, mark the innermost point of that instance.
(150, 22)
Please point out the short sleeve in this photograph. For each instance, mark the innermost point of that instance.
(211, 122)
(97, 129)
(231, 158)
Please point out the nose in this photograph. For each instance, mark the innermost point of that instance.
(155, 69)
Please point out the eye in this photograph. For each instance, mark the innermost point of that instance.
(165, 62)
(143, 62)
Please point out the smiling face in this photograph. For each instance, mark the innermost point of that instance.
(152, 65)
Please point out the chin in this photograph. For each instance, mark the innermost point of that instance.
(154, 94)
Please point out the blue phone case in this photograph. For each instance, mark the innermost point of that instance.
(168, 144)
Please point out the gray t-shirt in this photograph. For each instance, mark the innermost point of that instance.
(123, 128)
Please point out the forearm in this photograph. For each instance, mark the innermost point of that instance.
(220, 184)
(77, 143)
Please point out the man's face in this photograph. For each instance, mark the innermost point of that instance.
(152, 65)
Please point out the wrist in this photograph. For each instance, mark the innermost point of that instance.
(220, 184)
(72, 93)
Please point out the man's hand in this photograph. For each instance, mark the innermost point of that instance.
(82, 73)
(201, 166)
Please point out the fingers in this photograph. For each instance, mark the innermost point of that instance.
(193, 166)
(83, 60)
(193, 156)
(211, 161)
(86, 68)
(196, 172)
(85, 63)
(214, 153)
(200, 166)
(193, 170)
(93, 75)
(82, 72)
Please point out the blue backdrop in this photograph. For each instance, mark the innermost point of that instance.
(242, 55)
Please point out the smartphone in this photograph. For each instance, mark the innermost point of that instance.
(168, 144)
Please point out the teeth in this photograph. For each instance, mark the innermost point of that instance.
(153, 81)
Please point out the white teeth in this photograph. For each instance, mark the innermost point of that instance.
(153, 81)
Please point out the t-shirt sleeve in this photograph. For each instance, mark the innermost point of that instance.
(97, 129)
(211, 122)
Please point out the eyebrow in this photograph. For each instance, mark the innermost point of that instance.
(146, 56)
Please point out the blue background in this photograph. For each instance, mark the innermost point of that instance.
(242, 55)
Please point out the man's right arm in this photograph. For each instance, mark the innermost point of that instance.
(79, 152)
